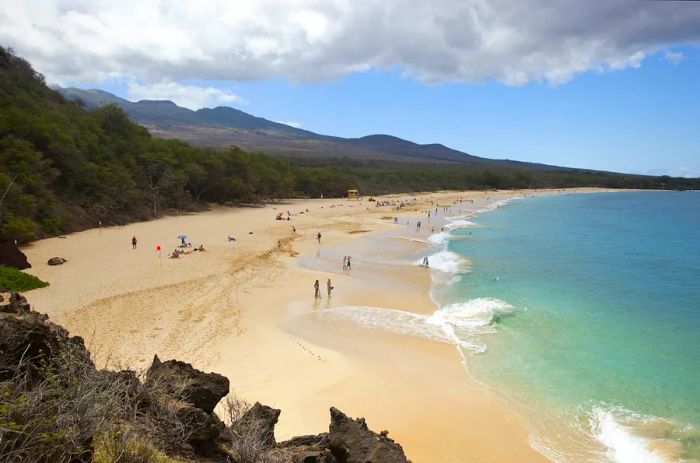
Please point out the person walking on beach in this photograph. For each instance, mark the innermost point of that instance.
(349, 265)
(329, 287)
(294, 229)
(426, 264)
(317, 290)
(318, 237)
(345, 263)
(133, 242)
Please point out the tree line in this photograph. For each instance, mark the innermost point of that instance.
(64, 168)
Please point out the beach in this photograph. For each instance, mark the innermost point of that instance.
(246, 309)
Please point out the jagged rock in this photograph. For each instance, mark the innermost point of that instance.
(28, 339)
(11, 256)
(56, 261)
(260, 420)
(304, 449)
(351, 441)
(30, 342)
(11, 302)
(203, 390)
(202, 429)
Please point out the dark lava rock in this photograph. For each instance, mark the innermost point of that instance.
(304, 449)
(11, 256)
(56, 261)
(28, 339)
(259, 420)
(351, 441)
(203, 390)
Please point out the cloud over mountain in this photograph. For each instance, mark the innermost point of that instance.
(189, 96)
(437, 41)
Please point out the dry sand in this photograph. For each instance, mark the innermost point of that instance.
(242, 309)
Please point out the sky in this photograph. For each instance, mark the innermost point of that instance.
(611, 85)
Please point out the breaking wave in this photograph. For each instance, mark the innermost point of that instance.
(460, 324)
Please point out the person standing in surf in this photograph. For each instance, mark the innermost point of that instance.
(317, 290)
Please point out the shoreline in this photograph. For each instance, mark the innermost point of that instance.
(238, 309)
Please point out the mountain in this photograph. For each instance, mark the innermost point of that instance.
(224, 126)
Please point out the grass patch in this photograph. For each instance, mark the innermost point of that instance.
(19, 281)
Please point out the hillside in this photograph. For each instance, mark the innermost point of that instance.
(66, 166)
(224, 126)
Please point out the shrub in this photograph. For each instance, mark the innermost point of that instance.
(246, 439)
(19, 281)
(60, 412)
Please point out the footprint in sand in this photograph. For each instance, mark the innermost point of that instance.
(308, 351)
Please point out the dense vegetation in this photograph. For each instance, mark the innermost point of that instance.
(18, 281)
(64, 168)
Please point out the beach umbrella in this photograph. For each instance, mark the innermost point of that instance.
(181, 236)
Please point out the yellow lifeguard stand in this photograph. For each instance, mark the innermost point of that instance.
(352, 194)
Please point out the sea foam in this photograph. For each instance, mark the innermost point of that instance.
(459, 324)
(613, 427)
(447, 262)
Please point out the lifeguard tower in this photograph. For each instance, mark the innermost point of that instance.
(352, 194)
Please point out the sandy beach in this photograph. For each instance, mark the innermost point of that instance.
(246, 309)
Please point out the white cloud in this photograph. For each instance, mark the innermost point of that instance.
(514, 41)
(674, 56)
(189, 96)
(290, 123)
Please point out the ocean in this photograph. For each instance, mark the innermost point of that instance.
(584, 311)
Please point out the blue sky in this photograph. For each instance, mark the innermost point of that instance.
(641, 120)
(607, 85)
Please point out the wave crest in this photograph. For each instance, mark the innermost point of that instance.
(459, 324)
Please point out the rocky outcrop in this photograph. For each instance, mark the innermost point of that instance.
(11, 256)
(28, 340)
(351, 441)
(347, 441)
(304, 449)
(177, 395)
(259, 421)
(196, 393)
(202, 390)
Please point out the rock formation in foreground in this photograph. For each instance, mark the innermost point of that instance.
(10, 255)
(56, 406)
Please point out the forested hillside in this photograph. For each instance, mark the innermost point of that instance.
(64, 168)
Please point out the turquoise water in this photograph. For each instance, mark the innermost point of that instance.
(602, 322)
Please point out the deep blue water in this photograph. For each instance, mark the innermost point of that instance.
(605, 290)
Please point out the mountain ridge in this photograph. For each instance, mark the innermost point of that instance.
(223, 126)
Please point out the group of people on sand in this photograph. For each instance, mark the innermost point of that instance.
(185, 248)
(317, 289)
(188, 249)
